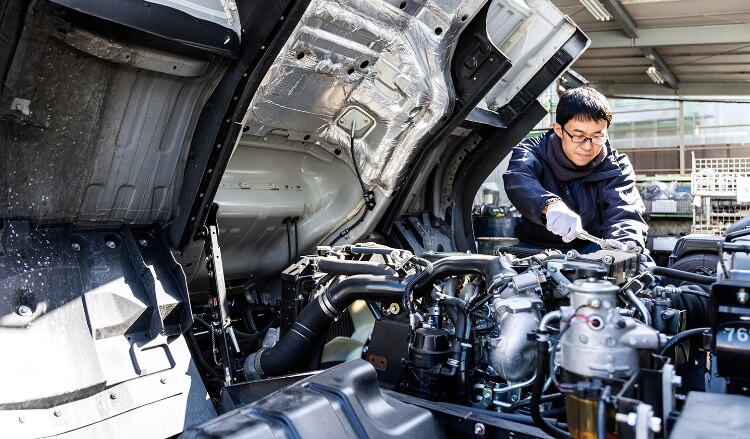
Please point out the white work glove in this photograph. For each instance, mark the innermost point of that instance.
(563, 221)
(621, 246)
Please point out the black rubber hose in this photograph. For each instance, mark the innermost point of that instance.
(296, 237)
(536, 394)
(315, 320)
(195, 352)
(545, 398)
(456, 265)
(449, 289)
(450, 301)
(203, 323)
(286, 221)
(419, 277)
(249, 320)
(557, 411)
(351, 268)
(682, 275)
(679, 338)
(521, 419)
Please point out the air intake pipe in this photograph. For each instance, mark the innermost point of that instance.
(315, 320)
(493, 269)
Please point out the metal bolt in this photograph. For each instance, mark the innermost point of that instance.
(57, 413)
(595, 303)
(24, 311)
(676, 381)
(629, 418)
(163, 381)
(552, 269)
(742, 296)
(110, 244)
(113, 395)
(479, 429)
(655, 425)
(513, 398)
(75, 246)
(607, 259)
(143, 242)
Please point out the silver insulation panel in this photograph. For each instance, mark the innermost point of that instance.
(392, 63)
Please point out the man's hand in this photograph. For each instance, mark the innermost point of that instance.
(621, 246)
(563, 221)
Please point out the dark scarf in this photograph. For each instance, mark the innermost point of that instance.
(561, 165)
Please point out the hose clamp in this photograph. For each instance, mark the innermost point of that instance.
(256, 363)
(327, 306)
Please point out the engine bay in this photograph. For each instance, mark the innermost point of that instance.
(590, 345)
(253, 219)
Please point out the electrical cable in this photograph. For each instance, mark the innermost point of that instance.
(354, 160)
(679, 338)
(365, 192)
(683, 275)
(286, 221)
(296, 238)
(545, 398)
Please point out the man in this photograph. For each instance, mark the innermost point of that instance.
(571, 180)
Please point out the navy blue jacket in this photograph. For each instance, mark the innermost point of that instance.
(608, 202)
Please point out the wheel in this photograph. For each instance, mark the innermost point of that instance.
(701, 263)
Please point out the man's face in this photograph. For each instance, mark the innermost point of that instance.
(574, 130)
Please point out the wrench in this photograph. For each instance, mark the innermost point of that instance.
(599, 241)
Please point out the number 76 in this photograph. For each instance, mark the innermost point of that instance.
(742, 334)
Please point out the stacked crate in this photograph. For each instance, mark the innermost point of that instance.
(721, 187)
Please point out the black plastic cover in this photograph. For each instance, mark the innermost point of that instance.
(344, 401)
(389, 347)
(713, 415)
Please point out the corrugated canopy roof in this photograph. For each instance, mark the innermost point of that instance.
(698, 47)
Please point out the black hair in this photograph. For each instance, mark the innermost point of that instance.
(583, 103)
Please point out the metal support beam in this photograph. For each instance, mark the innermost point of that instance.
(681, 123)
(621, 16)
(218, 295)
(673, 36)
(683, 89)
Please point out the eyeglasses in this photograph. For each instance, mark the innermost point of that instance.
(598, 140)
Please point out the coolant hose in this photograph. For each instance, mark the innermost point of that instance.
(456, 369)
(683, 275)
(542, 354)
(351, 268)
(679, 338)
(315, 320)
(542, 357)
(195, 352)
